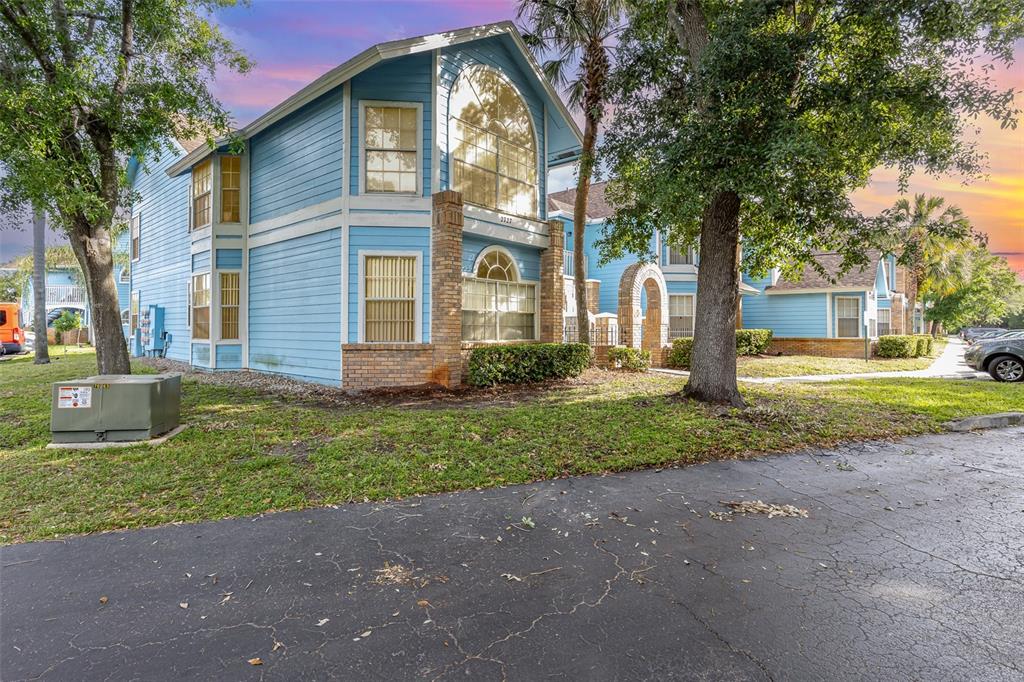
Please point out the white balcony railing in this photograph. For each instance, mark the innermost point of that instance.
(65, 294)
(568, 267)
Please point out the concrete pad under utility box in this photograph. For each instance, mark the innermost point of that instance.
(115, 407)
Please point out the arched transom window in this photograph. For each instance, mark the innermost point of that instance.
(493, 149)
(496, 305)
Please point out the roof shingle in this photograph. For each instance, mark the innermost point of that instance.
(858, 278)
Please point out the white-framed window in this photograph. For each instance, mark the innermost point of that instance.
(390, 154)
(134, 236)
(133, 312)
(125, 276)
(390, 296)
(200, 306)
(230, 291)
(847, 317)
(230, 189)
(492, 144)
(680, 315)
(496, 304)
(202, 193)
(884, 321)
(677, 256)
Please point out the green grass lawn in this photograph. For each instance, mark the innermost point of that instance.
(246, 453)
(803, 365)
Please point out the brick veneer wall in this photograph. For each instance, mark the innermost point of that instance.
(552, 284)
(829, 348)
(446, 288)
(594, 296)
(374, 365)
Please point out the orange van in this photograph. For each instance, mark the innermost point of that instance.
(12, 337)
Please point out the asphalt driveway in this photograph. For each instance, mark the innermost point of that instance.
(909, 565)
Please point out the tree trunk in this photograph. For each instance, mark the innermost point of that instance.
(42, 346)
(579, 224)
(936, 328)
(95, 254)
(713, 362)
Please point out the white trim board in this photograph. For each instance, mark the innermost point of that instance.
(818, 290)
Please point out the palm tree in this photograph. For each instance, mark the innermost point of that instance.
(929, 237)
(580, 35)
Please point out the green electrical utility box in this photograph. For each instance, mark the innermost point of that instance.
(115, 407)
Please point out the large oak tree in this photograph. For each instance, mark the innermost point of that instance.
(84, 85)
(758, 118)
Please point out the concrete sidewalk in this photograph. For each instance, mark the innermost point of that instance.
(949, 365)
(907, 566)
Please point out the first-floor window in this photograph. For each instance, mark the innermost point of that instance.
(680, 316)
(229, 301)
(201, 306)
(133, 314)
(847, 317)
(496, 306)
(884, 322)
(389, 299)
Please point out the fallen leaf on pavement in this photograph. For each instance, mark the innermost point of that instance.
(759, 507)
(183, 604)
(255, 661)
(103, 600)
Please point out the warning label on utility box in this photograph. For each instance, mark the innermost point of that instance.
(74, 396)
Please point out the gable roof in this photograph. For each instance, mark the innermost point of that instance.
(597, 205)
(381, 52)
(855, 278)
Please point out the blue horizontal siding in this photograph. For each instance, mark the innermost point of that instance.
(161, 274)
(527, 258)
(787, 315)
(295, 307)
(493, 52)
(201, 261)
(229, 258)
(297, 162)
(405, 79)
(386, 239)
(229, 357)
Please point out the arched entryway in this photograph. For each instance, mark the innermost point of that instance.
(637, 330)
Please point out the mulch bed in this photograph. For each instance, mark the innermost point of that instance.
(426, 396)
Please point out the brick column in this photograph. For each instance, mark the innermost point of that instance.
(446, 288)
(552, 287)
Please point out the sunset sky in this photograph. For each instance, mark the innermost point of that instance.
(293, 42)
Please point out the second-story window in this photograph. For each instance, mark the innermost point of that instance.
(678, 256)
(135, 237)
(230, 189)
(493, 149)
(391, 142)
(202, 208)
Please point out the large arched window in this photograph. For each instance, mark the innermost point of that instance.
(493, 149)
(496, 305)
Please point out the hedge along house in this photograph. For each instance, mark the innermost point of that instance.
(648, 304)
(375, 226)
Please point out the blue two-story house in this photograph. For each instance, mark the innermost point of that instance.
(371, 228)
(648, 304)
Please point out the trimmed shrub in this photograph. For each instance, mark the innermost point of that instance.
(629, 359)
(679, 356)
(896, 346)
(748, 342)
(753, 341)
(924, 345)
(526, 363)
